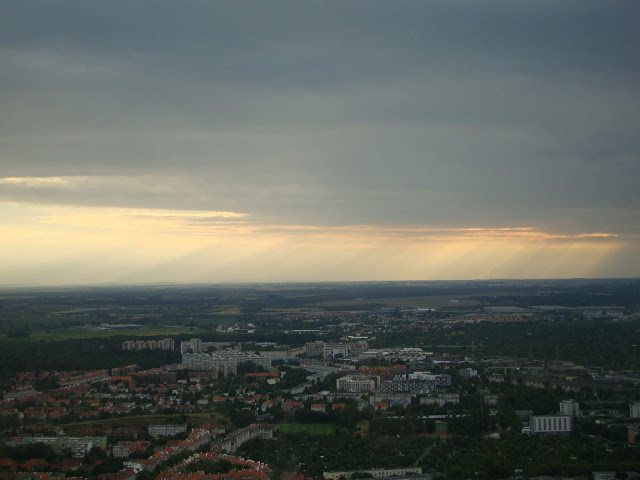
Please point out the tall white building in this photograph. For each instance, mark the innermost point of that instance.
(570, 407)
(197, 345)
(192, 346)
(634, 409)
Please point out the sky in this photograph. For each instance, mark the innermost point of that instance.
(241, 141)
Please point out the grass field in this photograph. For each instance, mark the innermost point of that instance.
(195, 419)
(362, 427)
(312, 428)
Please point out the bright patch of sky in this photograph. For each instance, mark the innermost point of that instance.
(235, 141)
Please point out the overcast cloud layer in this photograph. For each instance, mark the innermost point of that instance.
(440, 114)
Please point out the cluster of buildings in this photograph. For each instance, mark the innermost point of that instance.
(335, 350)
(195, 345)
(230, 443)
(417, 383)
(224, 361)
(242, 469)
(197, 438)
(385, 391)
(413, 383)
(95, 394)
(560, 424)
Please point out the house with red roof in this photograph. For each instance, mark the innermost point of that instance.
(291, 406)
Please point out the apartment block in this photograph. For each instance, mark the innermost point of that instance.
(358, 383)
(570, 407)
(166, 430)
(191, 346)
(551, 424)
(314, 349)
(164, 344)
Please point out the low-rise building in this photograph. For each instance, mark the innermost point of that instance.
(491, 400)
(467, 373)
(358, 383)
(124, 449)
(166, 430)
(416, 383)
(551, 424)
(442, 399)
(290, 407)
(375, 473)
(390, 398)
(79, 446)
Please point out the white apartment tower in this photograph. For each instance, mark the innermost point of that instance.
(192, 346)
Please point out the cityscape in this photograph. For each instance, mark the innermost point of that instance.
(303, 240)
(421, 380)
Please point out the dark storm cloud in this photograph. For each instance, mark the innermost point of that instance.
(484, 113)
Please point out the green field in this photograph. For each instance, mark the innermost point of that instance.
(140, 421)
(426, 301)
(312, 428)
(362, 427)
(79, 333)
